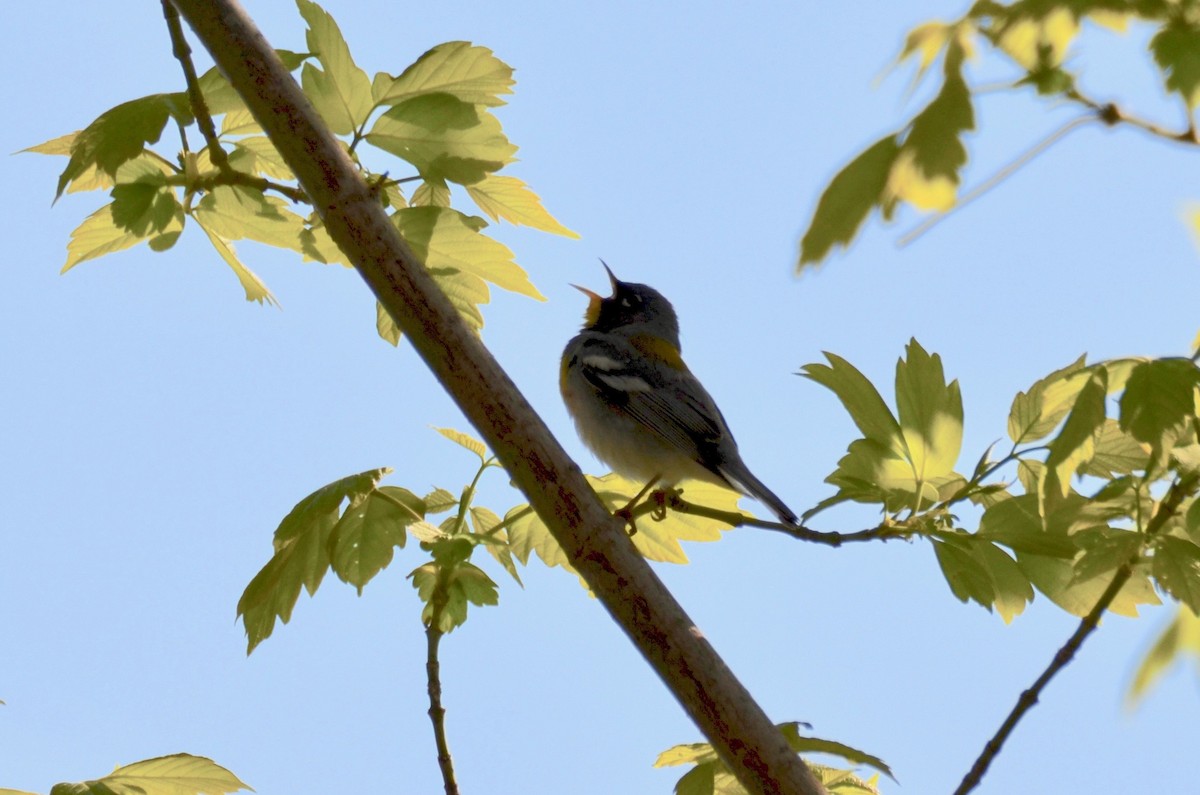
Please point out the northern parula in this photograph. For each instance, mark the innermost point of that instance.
(638, 407)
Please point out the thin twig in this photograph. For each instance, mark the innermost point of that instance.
(437, 713)
(183, 53)
(739, 519)
(1166, 509)
(234, 177)
(994, 180)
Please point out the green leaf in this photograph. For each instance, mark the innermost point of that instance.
(460, 258)
(470, 73)
(815, 745)
(178, 774)
(444, 138)
(301, 554)
(931, 413)
(1177, 569)
(850, 197)
(511, 199)
(236, 212)
(342, 92)
(266, 159)
(860, 398)
(1176, 49)
(1159, 401)
(484, 522)
(431, 193)
(440, 501)
(1104, 551)
(1116, 453)
(1017, 524)
(654, 539)
(1181, 636)
(121, 134)
(465, 441)
(463, 584)
(1037, 412)
(101, 234)
(365, 538)
(926, 169)
(1076, 442)
(254, 287)
(1055, 578)
(317, 245)
(979, 571)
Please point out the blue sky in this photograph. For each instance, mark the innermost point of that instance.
(157, 427)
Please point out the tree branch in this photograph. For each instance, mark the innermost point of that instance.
(437, 713)
(1166, 509)
(739, 519)
(594, 541)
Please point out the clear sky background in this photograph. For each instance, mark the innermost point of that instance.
(156, 427)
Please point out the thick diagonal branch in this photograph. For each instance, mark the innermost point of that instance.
(595, 541)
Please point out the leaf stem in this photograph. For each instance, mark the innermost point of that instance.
(183, 53)
(1169, 506)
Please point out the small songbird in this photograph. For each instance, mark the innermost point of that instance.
(638, 407)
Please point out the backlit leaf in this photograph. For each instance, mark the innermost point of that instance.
(235, 212)
(1159, 401)
(431, 193)
(509, 198)
(100, 234)
(267, 160)
(1181, 637)
(120, 134)
(178, 774)
(301, 555)
(465, 441)
(254, 287)
(1177, 569)
(365, 538)
(1017, 524)
(469, 72)
(930, 411)
(444, 138)
(1036, 413)
(1176, 49)
(1055, 578)
(926, 170)
(845, 204)
(1076, 442)
(342, 92)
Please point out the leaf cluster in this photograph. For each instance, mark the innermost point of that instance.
(921, 163)
(1106, 458)
(436, 116)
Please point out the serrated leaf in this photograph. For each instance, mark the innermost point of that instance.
(301, 555)
(926, 170)
(444, 138)
(266, 158)
(235, 212)
(654, 539)
(254, 287)
(465, 441)
(1104, 551)
(1159, 402)
(1042, 39)
(178, 774)
(1055, 578)
(365, 538)
(511, 199)
(1181, 636)
(342, 92)
(317, 245)
(496, 541)
(1076, 442)
(1177, 569)
(464, 584)
(121, 134)
(431, 193)
(1116, 453)
(845, 204)
(1176, 49)
(930, 413)
(1036, 413)
(447, 240)
(861, 399)
(926, 41)
(100, 234)
(439, 501)
(466, 71)
(816, 745)
(1017, 524)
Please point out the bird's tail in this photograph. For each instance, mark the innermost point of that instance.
(742, 479)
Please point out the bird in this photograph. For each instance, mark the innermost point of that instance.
(639, 408)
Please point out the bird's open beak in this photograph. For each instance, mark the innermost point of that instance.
(611, 277)
(593, 309)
